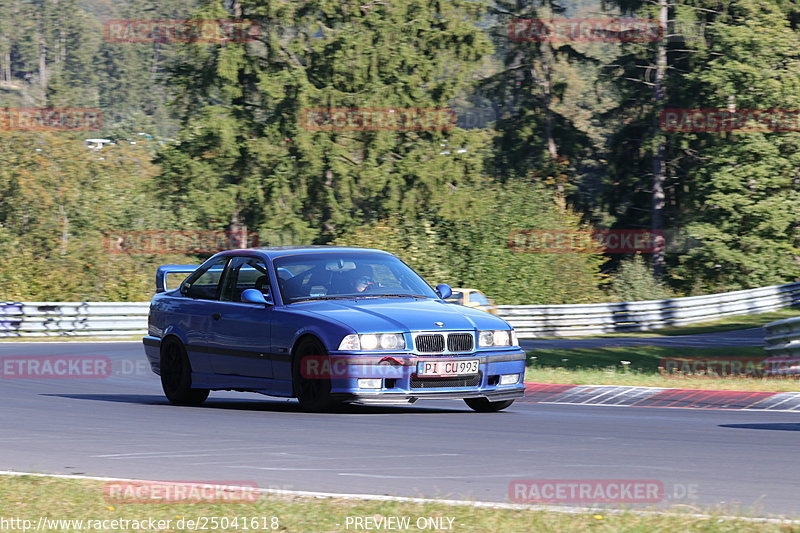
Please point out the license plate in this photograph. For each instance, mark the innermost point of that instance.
(447, 368)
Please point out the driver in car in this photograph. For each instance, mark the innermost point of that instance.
(362, 283)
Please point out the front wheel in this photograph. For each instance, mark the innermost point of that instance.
(482, 405)
(313, 392)
(176, 376)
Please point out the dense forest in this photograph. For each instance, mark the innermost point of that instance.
(564, 134)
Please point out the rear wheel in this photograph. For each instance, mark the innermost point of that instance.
(313, 393)
(482, 405)
(176, 375)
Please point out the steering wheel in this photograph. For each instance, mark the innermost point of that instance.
(372, 286)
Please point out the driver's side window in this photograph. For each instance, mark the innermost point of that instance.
(204, 284)
(245, 273)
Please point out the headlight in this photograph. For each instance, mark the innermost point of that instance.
(494, 338)
(350, 342)
(373, 341)
(392, 341)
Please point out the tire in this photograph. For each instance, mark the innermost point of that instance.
(314, 395)
(482, 405)
(176, 376)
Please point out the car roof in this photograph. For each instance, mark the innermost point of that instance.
(274, 252)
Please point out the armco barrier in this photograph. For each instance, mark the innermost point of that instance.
(45, 319)
(590, 319)
(783, 338)
(42, 319)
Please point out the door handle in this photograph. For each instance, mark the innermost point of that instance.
(216, 316)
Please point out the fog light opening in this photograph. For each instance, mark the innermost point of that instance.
(509, 379)
(370, 383)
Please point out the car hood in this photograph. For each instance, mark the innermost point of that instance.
(399, 315)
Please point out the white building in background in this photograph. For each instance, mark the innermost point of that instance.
(97, 144)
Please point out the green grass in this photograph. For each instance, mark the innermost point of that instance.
(645, 368)
(731, 323)
(32, 497)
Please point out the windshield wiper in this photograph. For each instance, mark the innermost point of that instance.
(394, 296)
(307, 298)
(358, 297)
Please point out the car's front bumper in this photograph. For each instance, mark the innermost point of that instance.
(403, 397)
(400, 384)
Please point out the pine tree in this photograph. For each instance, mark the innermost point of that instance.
(743, 198)
(245, 155)
(643, 189)
(544, 93)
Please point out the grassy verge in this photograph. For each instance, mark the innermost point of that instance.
(730, 323)
(29, 498)
(644, 366)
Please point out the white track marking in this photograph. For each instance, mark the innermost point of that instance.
(407, 499)
(148, 455)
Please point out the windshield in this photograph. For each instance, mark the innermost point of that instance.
(479, 299)
(347, 275)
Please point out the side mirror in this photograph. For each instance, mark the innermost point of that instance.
(253, 296)
(444, 291)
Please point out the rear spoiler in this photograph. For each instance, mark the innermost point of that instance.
(163, 270)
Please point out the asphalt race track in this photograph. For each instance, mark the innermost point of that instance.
(743, 337)
(121, 426)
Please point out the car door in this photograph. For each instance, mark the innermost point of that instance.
(191, 312)
(240, 331)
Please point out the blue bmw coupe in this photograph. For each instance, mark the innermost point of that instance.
(326, 325)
